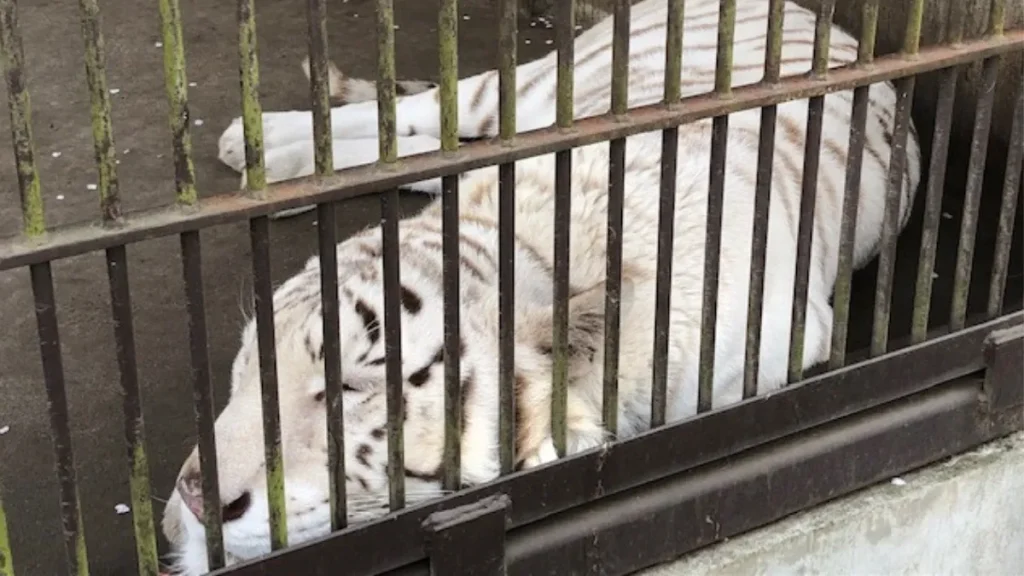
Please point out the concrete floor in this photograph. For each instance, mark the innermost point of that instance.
(55, 76)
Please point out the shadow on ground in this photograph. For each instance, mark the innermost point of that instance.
(55, 76)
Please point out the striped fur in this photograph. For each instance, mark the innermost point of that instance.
(298, 314)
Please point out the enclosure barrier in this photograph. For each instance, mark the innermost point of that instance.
(924, 397)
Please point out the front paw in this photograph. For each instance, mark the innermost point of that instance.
(279, 130)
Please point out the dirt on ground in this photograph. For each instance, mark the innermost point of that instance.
(55, 76)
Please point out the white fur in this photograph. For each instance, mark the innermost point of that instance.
(297, 303)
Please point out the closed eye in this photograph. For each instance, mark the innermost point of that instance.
(376, 362)
(322, 395)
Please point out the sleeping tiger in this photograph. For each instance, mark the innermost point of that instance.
(297, 304)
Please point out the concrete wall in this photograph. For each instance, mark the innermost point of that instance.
(962, 517)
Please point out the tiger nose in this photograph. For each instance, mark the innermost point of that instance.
(190, 487)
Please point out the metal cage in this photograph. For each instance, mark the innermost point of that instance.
(866, 416)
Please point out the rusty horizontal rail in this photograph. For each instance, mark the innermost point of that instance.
(152, 223)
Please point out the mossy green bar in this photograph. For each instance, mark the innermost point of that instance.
(319, 88)
(176, 86)
(18, 103)
(6, 558)
(252, 113)
(99, 97)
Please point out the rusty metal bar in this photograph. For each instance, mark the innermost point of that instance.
(134, 425)
(666, 213)
(448, 37)
(327, 236)
(252, 112)
(6, 557)
(259, 239)
(894, 188)
(176, 86)
(762, 202)
(319, 91)
(388, 142)
(56, 395)
(20, 108)
(716, 195)
(1007, 209)
(359, 181)
(809, 193)
(564, 37)
(102, 131)
(972, 200)
(202, 395)
(507, 47)
(616, 195)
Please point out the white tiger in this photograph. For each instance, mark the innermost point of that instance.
(289, 153)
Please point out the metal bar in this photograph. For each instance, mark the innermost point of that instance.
(327, 236)
(259, 238)
(1004, 363)
(670, 450)
(716, 195)
(53, 374)
(176, 86)
(616, 195)
(666, 213)
(202, 396)
(252, 112)
(388, 142)
(933, 203)
(808, 194)
(997, 17)
(564, 39)
(448, 37)
(762, 202)
(102, 131)
(319, 91)
(1007, 208)
(134, 425)
(894, 188)
(6, 558)
(359, 181)
(972, 201)
(20, 108)
(507, 46)
(851, 193)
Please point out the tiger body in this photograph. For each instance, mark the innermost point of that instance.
(298, 315)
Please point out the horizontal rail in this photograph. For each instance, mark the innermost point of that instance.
(658, 454)
(152, 223)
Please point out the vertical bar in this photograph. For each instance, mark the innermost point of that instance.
(53, 374)
(563, 188)
(997, 17)
(447, 28)
(894, 189)
(134, 426)
(616, 193)
(666, 213)
(176, 86)
(975, 176)
(202, 396)
(102, 132)
(762, 200)
(327, 236)
(319, 92)
(851, 193)
(20, 108)
(6, 558)
(507, 46)
(933, 204)
(259, 236)
(1007, 210)
(252, 113)
(808, 194)
(386, 102)
(716, 194)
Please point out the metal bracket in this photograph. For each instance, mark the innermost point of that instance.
(1004, 373)
(468, 540)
